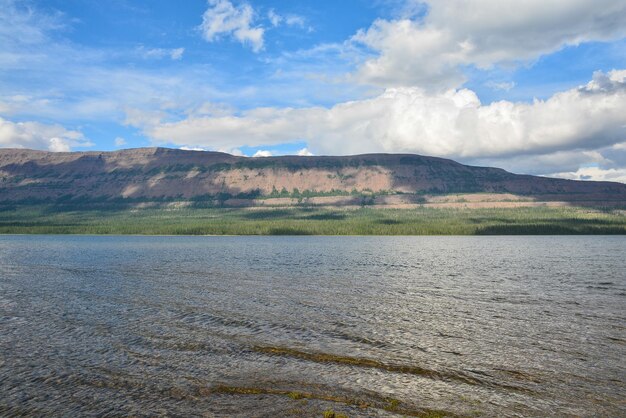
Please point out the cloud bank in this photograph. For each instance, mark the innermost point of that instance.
(39, 136)
(430, 51)
(408, 119)
(594, 173)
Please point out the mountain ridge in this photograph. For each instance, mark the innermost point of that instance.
(158, 173)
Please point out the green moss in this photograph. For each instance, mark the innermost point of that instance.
(391, 405)
(367, 363)
(332, 414)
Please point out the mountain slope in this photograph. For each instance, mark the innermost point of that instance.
(146, 174)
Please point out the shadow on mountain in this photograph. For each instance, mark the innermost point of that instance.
(93, 180)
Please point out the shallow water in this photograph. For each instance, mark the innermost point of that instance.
(280, 326)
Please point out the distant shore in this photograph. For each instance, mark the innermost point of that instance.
(443, 218)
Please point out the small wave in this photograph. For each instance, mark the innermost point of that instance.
(395, 368)
(363, 402)
(617, 340)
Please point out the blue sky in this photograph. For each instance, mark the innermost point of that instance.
(535, 87)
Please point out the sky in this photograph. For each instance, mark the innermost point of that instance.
(532, 86)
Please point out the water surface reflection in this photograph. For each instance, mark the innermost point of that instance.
(262, 326)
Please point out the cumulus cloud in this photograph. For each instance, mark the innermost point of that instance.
(430, 51)
(262, 153)
(304, 152)
(119, 141)
(36, 135)
(223, 18)
(408, 119)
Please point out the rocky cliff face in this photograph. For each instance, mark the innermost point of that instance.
(166, 174)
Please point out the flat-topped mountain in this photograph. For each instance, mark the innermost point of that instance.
(162, 174)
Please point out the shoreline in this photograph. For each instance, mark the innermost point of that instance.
(315, 221)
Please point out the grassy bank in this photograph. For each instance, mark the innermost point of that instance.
(313, 221)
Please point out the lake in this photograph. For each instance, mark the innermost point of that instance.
(295, 326)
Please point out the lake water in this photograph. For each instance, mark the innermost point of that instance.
(295, 326)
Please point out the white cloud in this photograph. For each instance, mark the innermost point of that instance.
(192, 148)
(223, 18)
(295, 20)
(34, 135)
(289, 20)
(595, 174)
(139, 117)
(451, 124)
(212, 109)
(503, 85)
(550, 162)
(119, 141)
(261, 126)
(24, 24)
(59, 145)
(304, 152)
(75, 84)
(262, 153)
(274, 18)
(454, 33)
(232, 151)
(16, 103)
(50, 78)
(175, 54)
